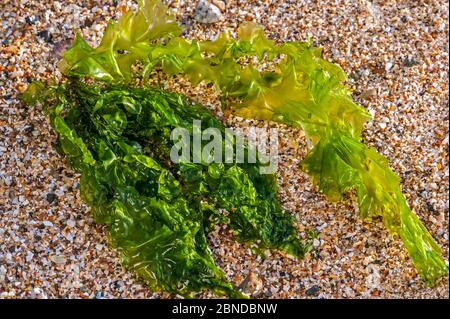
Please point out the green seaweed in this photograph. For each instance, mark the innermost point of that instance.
(157, 212)
(300, 89)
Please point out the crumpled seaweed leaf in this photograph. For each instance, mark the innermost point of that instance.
(157, 212)
(302, 90)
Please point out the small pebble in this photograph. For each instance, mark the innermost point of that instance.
(47, 223)
(51, 197)
(46, 36)
(313, 291)
(60, 260)
(206, 12)
(71, 223)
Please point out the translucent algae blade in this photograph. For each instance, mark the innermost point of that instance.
(339, 163)
(123, 43)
